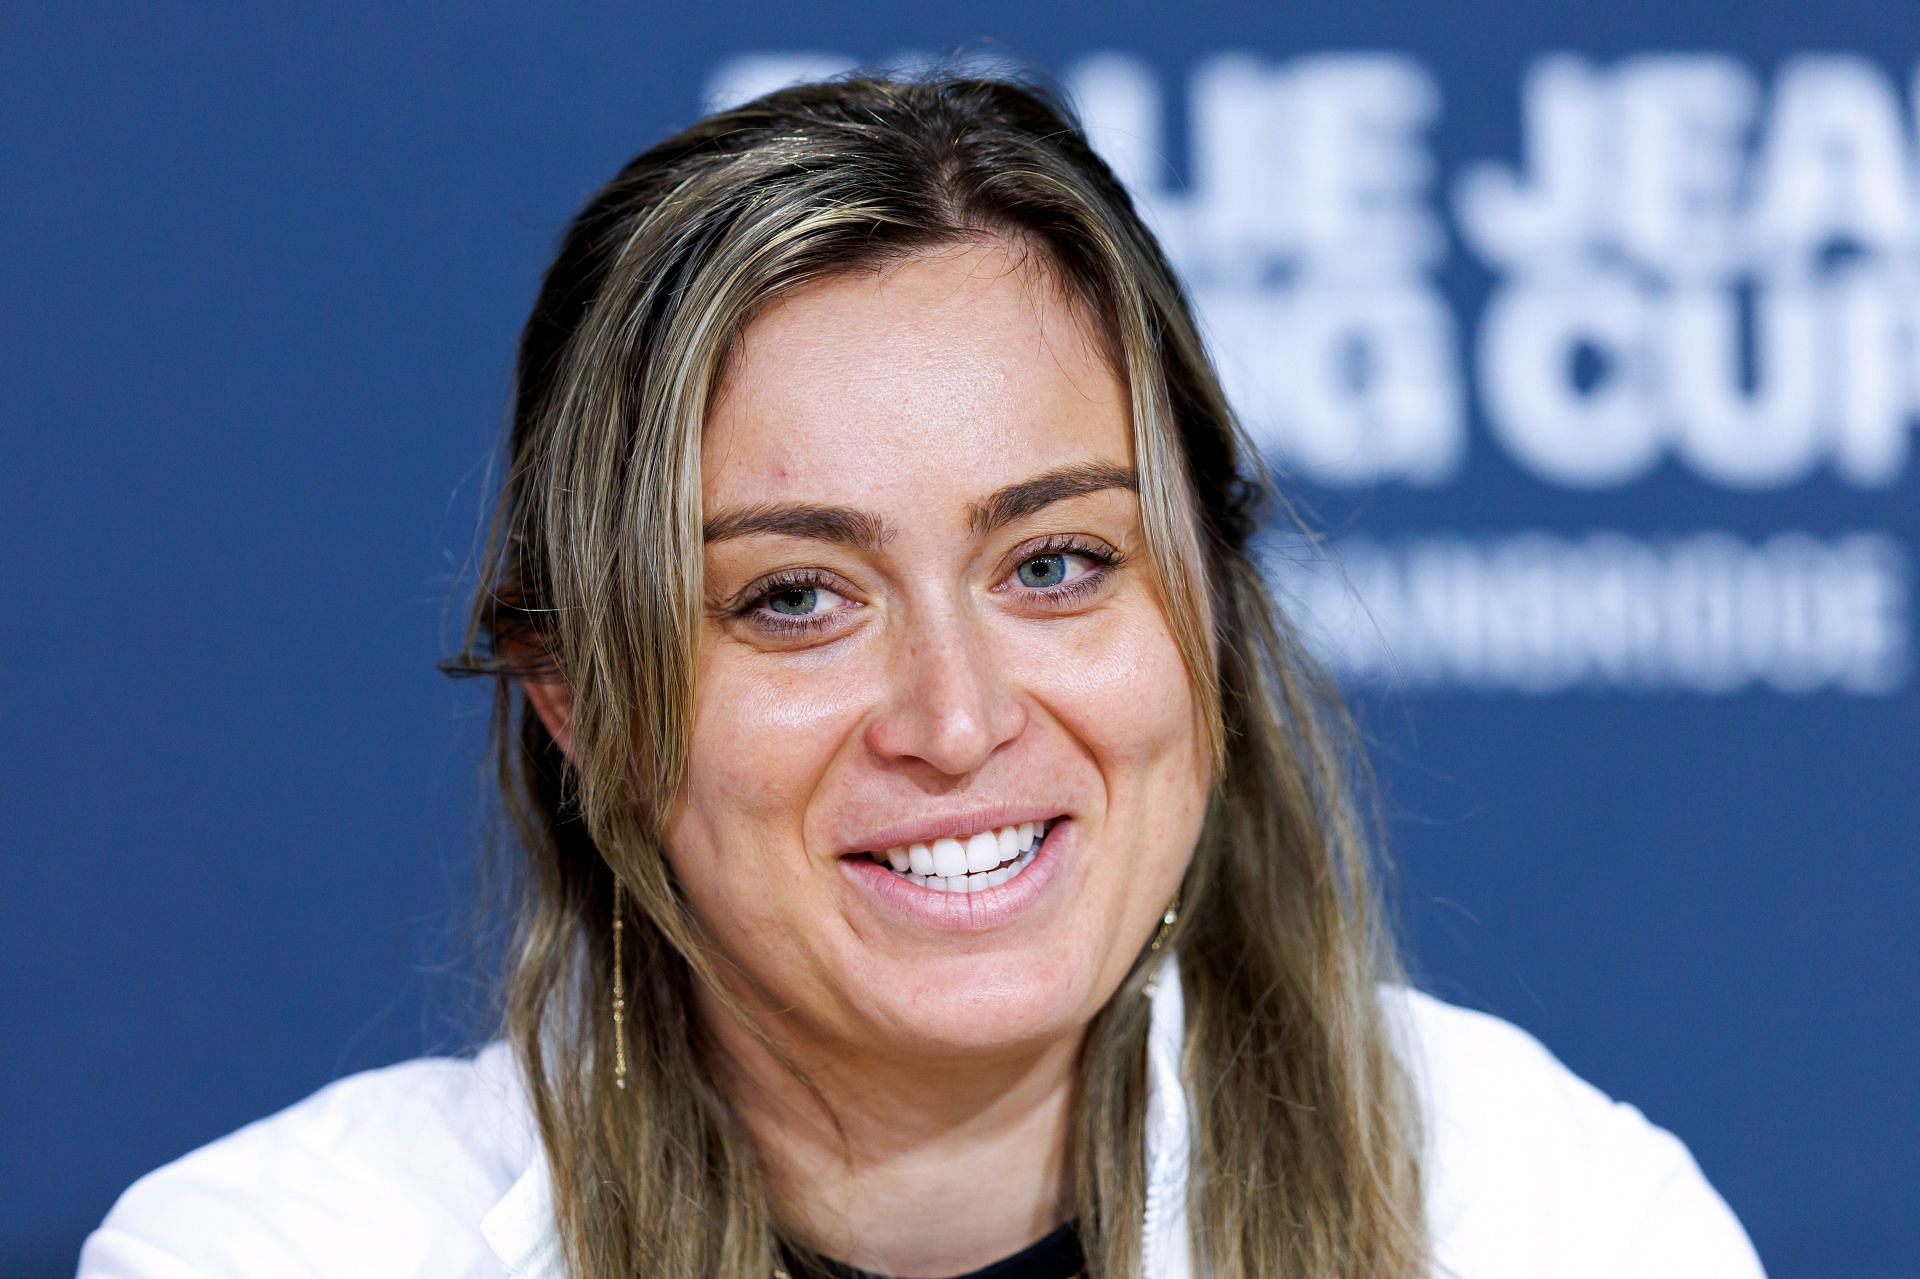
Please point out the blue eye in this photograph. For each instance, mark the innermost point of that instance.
(798, 605)
(1063, 571)
(794, 601)
(793, 604)
(1043, 571)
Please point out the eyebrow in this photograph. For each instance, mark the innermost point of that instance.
(865, 531)
(841, 524)
(1016, 501)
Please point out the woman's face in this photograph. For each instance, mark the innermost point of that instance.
(931, 621)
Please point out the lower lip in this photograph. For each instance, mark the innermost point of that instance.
(978, 912)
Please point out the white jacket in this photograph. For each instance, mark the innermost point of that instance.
(433, 1168)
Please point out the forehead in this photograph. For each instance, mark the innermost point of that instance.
(958, 370)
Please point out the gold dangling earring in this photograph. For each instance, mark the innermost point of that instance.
(1160, 939)
(1166, 921)
(619, 988)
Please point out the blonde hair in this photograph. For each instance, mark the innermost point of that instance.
(1307, 1136)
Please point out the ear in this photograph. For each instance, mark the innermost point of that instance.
(552, 700)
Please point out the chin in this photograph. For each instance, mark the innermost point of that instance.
(979, 1005)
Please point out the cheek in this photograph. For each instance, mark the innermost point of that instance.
(762, 741)
(1122, 690)
(1123, 694)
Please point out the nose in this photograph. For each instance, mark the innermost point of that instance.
(949, 704)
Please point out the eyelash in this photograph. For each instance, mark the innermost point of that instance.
(1105, 560)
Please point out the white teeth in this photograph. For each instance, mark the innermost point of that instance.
(978, 862)
(949, 858)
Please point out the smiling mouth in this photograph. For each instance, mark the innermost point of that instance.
(970, 865)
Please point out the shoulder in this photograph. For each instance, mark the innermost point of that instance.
(386, 1172)
(1532, 1170)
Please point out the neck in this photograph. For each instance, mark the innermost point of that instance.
(946, 1165)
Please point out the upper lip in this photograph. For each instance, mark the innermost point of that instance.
(924, 830)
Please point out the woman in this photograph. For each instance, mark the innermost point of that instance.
(940, 855)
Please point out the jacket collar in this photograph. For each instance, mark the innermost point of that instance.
(520, 1226)
(1165, 1248)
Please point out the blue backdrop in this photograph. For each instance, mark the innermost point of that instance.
(1588, 330)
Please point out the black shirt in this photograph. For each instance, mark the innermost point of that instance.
(1057, 1256)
